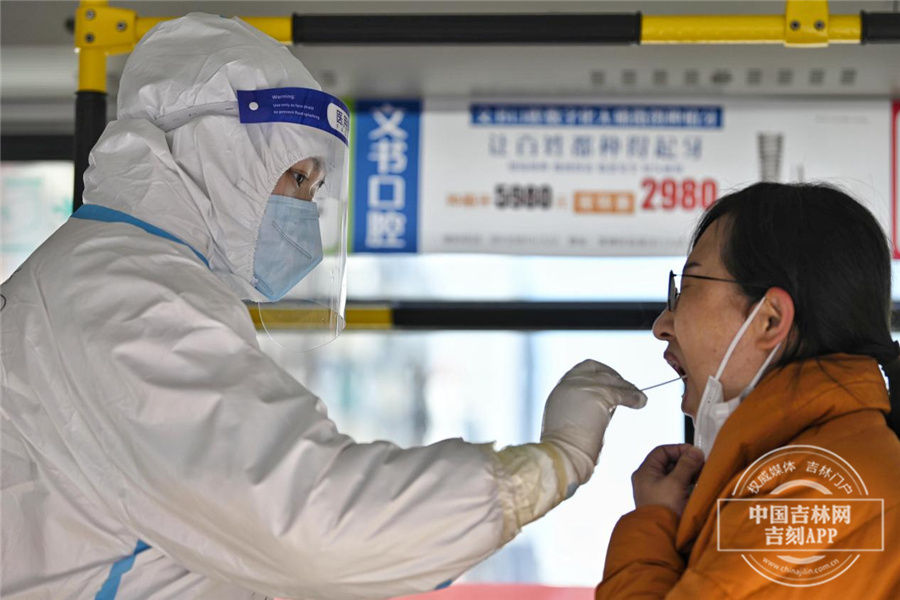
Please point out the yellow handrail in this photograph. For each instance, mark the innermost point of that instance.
(102, 30)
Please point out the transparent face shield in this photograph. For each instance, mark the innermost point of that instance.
(314, 190)
(314, 307)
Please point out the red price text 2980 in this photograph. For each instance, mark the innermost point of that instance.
(678, 194)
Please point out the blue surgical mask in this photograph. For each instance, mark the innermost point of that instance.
(288, 247)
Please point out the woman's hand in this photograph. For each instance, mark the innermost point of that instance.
(666, 475)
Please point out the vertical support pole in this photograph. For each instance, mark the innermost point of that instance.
(688, 430)
(90, 120)
(90, 100)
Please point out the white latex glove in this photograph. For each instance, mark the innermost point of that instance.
(533, 478)
(578, 412)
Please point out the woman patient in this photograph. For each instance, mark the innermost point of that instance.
(779, 322)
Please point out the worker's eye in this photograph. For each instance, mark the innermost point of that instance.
(299, 178)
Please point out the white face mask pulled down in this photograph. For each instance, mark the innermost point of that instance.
(714, 410)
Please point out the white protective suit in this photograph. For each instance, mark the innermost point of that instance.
(150, 449)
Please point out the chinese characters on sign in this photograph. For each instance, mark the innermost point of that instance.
(591, 177)
(588, 139)
(387, 180)
(568, 151)
(609, 115)
(623, 178)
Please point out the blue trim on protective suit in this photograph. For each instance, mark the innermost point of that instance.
(119, 568)
(95, 212)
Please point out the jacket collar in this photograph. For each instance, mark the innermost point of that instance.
(786, 402)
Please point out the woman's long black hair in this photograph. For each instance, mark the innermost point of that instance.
(828, 252)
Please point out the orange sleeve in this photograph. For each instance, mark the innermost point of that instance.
(642, 560)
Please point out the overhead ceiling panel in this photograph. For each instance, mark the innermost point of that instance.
(39, 70)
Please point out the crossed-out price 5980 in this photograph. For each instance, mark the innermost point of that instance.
(678, 194)
(507, 196)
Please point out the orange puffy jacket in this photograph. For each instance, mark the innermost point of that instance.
(836, 403)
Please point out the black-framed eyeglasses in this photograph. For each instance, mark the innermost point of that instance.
(672, 300)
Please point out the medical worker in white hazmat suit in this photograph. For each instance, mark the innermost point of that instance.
(149, 448)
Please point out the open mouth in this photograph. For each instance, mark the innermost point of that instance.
(673, 362)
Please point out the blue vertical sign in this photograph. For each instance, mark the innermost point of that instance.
(386, 186)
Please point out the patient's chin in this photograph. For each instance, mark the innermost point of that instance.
(687, 407)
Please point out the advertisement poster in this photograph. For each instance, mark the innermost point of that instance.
(596, 178)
